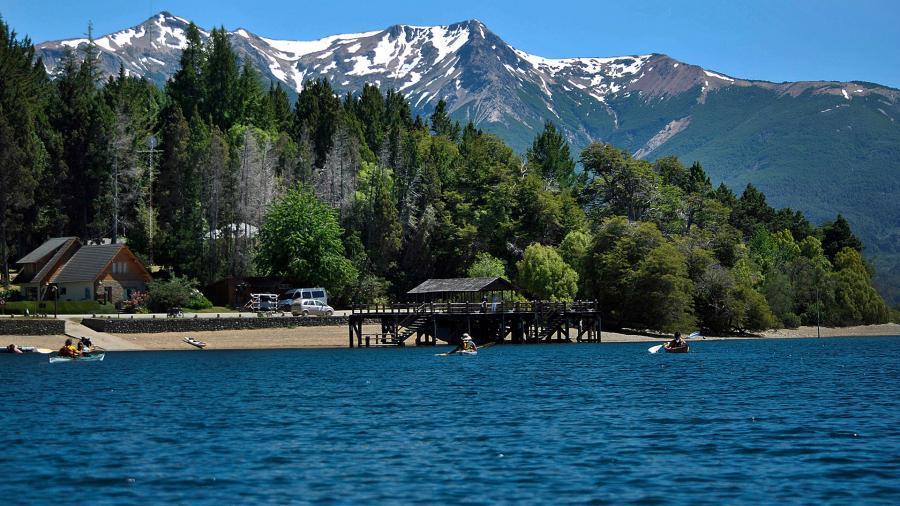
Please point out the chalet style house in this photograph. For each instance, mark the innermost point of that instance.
(107, 272)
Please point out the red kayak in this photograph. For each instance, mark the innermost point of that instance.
(679, 349)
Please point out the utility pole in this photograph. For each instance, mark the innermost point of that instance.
(115, 236)
(818, 332)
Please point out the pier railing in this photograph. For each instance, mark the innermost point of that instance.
(542, 307)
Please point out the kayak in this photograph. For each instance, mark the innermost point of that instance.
(194, 342)
(680, 349)
(97, 357)
(460, 352)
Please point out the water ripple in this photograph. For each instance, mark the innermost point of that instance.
(791, 422)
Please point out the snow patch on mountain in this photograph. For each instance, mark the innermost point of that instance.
(295, 49)
(718, 76)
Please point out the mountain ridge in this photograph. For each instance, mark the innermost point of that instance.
(825, 147)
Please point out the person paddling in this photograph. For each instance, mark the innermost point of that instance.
(69, 350)
(467, 344)
(677, 342)
(83, 351)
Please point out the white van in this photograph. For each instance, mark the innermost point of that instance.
(287, 298)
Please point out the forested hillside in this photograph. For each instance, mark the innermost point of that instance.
(358, 194)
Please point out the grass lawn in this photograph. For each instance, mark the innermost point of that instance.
(64, 307)
(214, 309)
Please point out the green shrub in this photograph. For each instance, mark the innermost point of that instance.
(176, 292)
(790, 321)
(198, 301)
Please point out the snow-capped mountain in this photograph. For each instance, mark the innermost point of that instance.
(482, 78)
(813, 145)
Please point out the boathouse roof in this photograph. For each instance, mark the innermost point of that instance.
(463, 285)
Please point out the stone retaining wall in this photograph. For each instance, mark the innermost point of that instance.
(126, 325)
(20, 326)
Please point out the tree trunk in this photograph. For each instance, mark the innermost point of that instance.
(4, 255)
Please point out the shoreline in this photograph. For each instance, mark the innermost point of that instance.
(337, 337)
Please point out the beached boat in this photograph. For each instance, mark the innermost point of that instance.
(95, 357)
(194, 342)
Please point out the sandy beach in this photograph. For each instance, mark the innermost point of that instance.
(337, 337)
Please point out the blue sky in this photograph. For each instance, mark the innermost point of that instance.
(765, 39)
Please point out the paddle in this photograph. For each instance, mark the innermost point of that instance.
(43, 351)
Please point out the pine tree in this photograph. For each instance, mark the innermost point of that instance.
(220, 78)
(250, 100)
(370, 111)
(23, 155)
(186, 88)
(316, 117)
(83, 120)
(442, 124)
(549, 156)
(280, 108)
(836, 236)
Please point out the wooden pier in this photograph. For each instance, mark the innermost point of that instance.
(512, 322)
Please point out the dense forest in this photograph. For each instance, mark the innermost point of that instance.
(220, 174)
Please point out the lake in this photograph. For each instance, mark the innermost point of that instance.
(738, 422)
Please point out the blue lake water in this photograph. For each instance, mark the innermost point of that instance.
(787, 421)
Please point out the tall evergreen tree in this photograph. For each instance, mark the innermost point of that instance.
(220, 78)
(837, 235)
(549, 156)
(279, 108)
(442, 124)
(187, 87)
(23, 156)
(84, 121)
(316, 118)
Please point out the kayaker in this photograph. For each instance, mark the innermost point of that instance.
(82, 350)
(12, 348)
(677, 342)
(467, 344)
(69, 350)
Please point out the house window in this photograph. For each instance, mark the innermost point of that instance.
(87, 293)
(62, 290)
(124, 267)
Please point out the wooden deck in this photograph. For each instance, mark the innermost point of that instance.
(514, 322)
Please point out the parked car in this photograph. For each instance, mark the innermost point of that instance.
(286, 299)
(306, 307)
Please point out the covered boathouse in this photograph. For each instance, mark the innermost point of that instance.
(485, 308)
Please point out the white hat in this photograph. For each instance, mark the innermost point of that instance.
(467, 337)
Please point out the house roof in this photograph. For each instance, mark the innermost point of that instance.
(47, 270)
(463, 285)
(49, 246)
(87, 263)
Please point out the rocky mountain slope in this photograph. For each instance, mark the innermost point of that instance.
(823, 147)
